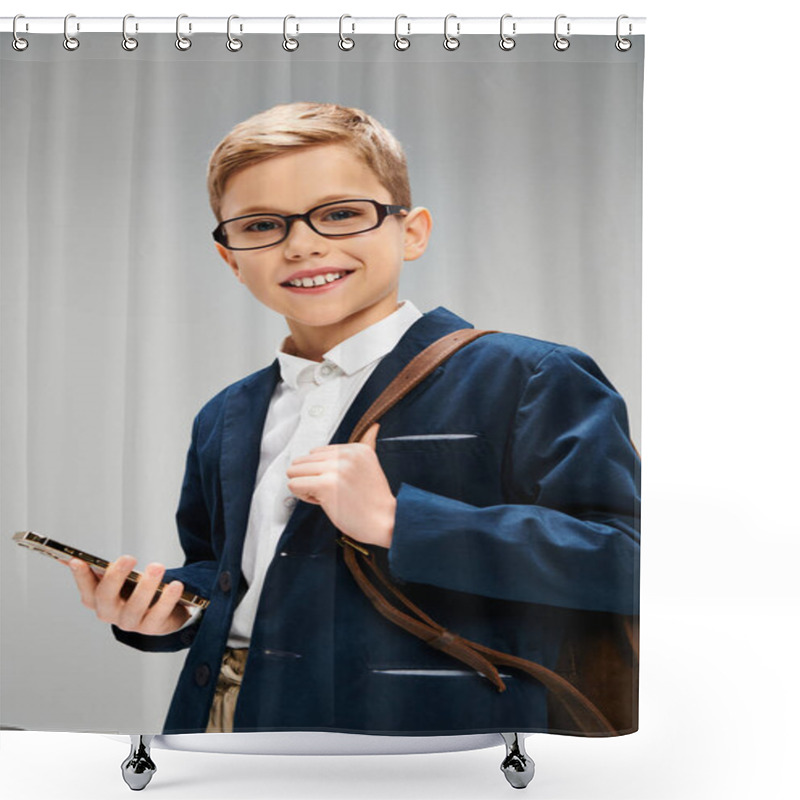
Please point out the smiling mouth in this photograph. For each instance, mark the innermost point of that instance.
(318, 280)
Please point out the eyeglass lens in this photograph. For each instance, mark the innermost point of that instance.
(341, 219)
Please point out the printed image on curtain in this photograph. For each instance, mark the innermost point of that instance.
(371, 320)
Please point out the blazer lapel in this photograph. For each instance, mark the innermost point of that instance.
(245, 410)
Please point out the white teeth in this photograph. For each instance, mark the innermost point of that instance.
(317, 280)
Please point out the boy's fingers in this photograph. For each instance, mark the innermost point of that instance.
(102, 594)
(329, 456)
(307, 468)
(310, 483)
(307, 489)
(319, 453)
(85, 580)
(136, 606)
(158, 616)
(110, 584)
(371, 436)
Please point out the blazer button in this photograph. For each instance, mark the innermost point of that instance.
(187, 636)
(225, 581)
(202, 674)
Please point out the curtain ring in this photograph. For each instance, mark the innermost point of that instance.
(181, 42)
(290, 44)
(507, 42)
(70, 42)
(561, 43)
(400, 42)
(451, 42)
(233, 44)
(18, 43)
(623, 45)
(344, 42)
(128, 42)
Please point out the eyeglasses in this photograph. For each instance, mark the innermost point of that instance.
(342, 218)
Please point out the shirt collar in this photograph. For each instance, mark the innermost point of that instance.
(356, 352)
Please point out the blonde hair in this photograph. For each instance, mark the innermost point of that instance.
(294, 126)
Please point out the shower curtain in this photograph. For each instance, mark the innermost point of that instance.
(514, 466)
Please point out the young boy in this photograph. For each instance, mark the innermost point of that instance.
(500, 493)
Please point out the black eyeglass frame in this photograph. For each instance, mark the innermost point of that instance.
(382, 210)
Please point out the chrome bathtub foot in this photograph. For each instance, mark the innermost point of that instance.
(517, 766)
(138, 768)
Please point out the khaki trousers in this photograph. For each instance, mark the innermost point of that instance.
(220, 720)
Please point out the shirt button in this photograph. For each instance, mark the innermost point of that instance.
(327, 369)
(290, 502)
(316, 411)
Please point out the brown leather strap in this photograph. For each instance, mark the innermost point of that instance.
(434, 635)
(482, 659)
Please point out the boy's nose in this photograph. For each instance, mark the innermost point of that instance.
(302, 239)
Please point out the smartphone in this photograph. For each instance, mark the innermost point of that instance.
(63, 552)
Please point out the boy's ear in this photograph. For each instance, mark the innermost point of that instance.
(417, 224)
(229, 258)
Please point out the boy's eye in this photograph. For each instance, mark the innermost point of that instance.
(340, 214)
(262, 225)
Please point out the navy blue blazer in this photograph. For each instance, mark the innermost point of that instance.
(517, 500)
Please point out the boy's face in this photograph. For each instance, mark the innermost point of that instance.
(369, 262)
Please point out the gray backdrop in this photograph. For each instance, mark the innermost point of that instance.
(119, 319)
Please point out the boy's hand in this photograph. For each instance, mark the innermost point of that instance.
(349, 484)
(134, 614)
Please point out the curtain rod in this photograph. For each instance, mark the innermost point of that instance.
(457, 26)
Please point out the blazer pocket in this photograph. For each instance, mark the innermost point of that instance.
(416, 672)
(429, 437)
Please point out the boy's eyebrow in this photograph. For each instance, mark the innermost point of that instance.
(266, 208)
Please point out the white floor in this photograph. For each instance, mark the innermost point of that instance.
(719, 711)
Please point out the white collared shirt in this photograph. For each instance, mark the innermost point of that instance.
(305, 410)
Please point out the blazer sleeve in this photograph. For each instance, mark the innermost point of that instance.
(568, 532)
(200, 566)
